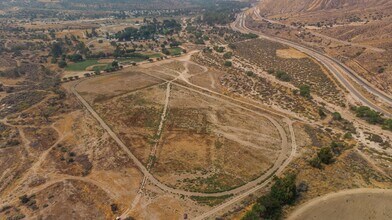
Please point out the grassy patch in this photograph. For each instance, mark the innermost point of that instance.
(81, 66)
(175, 51)
(154, 55)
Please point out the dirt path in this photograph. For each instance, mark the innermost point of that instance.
(36, 165)
(152, 157)
(57, 178)
(320, 205)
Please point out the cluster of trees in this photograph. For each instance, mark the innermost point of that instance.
(62, 47)
(326, 154)
(283, 192)
(112, 67)
(219, 49)
(149, 30)
(373, 117)
(281, 75)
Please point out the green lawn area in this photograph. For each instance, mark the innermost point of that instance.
(154, 55)
(81, 66)
(175, 51)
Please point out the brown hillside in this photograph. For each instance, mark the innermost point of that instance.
(293, 6)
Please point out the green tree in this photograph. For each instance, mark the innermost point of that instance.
(56, 50)
(62, 64)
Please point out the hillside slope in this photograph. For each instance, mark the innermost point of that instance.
(295, 6)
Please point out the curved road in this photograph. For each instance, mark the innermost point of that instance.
(333, 65)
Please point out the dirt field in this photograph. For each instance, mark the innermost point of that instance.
(359, 204)
(290, 54)
(205, 142)
(106, 87)
(202, 139)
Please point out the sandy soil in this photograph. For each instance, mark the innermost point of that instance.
(354, 204)
(290, 54)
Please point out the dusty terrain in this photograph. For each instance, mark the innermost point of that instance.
(350, 204)
(355, 32)
(202, 134)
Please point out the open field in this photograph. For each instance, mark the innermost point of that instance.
(241, 114)
(81, 66)
(204, 143)
(200, 145)
(106, 87)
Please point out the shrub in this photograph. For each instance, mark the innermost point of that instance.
(337, 147)
(325, 155)
(249, 73)
(336, 116)
(232, 46)
(304, 91)
(347, 135)
(199, 41)
(228, 55)
(381, 70)
(321, 113)
(315, 162)
(368, 114)
(24, 199)
(283, 76)
(387, 125)
(219, 49)
(228, 63)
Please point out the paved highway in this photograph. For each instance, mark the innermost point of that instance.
(338, 69)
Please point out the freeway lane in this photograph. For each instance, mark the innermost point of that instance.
(334, 66)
